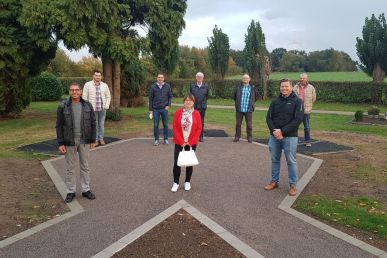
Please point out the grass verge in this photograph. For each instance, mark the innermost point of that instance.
(361, 212)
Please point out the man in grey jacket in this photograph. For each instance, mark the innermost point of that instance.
(76, 132)
(199, 90)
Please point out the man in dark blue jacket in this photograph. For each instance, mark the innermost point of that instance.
(283, 119)
(200, 91)
(160, 97)
(76, 133)
(245, 96)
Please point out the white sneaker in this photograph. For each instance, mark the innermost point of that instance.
(187, 186)
(174, 187)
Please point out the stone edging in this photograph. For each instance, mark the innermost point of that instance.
(144, 228)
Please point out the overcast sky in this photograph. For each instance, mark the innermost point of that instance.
(299, 24)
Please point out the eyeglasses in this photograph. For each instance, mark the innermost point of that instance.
(74, 90)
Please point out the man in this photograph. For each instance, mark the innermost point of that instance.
(307, 94)
(245, 96)
(160, 97)
(283, 119)
(98, 94)
(75, 132)
(200, 92)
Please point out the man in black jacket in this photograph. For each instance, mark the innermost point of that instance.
(76, 132)
(200, 91)
(283, 119)
(160, 97)
(245, 96)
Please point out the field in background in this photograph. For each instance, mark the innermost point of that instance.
(318, 76)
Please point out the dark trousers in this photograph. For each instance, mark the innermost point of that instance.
(156, 118)
(249, 124)
(306, 123)
(202, 115)
(177, 169)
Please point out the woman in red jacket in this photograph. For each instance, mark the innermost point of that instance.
(187, 126)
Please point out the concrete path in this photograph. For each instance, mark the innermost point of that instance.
(132, 181)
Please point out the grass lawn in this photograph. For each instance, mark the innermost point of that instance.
(318, 76)
(361, 212)
(317, 105)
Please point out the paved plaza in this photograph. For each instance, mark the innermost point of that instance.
(132, 181)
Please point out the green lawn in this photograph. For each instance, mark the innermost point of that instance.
(318, 76)
(37, 123)
(318, 105)
(360, 212)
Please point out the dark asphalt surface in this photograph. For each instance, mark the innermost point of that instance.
(132, 182)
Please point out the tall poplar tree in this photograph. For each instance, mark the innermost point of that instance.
(218, 52)
(372, 48)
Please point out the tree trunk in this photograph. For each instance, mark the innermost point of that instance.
(378, 74)
(108, 73)
(265, 73)
(117, 86)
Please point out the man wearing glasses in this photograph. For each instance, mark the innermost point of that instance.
(76, 132)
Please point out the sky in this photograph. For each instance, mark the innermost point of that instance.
(299, 24)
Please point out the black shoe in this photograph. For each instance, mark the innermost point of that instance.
(250, 140)
(89, 195)
(201, 139)
(236, 139)
(70, 197)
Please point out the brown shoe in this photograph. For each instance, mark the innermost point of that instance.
(292, 191)
(271, 186)
(96, 143)
(102, 142)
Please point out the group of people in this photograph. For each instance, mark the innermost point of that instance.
(80, 124)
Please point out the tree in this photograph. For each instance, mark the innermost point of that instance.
(329, 60)
(109, 29)
(218, 52)
(61, 65)
(372, 48)
(293, 61)
(238, 57)
(276, 56)
(25, 51)
(256, 54)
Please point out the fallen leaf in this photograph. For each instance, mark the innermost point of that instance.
(183, 234)
(205, 244)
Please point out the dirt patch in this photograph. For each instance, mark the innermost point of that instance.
(362, 172)
(371, 121)
(181, 235)
(27, 196)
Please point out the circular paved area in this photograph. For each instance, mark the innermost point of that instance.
(132, 181)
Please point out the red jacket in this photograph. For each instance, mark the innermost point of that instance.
(195, 130)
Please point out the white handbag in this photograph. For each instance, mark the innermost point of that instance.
(187, 158)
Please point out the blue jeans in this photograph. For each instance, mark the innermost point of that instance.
(306, 123)
(100, 120)
(156, 118)
(289, 145)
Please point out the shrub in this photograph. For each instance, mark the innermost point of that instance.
(373, 111)
(67, 80)
(45, 87)
(358, 115)
(114, 116)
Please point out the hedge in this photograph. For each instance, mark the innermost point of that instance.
(327, 91)
(66, 81)
(45, 87)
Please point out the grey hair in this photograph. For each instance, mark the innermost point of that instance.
(200, 74)
(304, 74)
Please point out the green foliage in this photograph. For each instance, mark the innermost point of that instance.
(359, 115)
(25, 51)
(293, 61)
(276, 56)
(255, 50)
(166, 23)
(45, 87)
(132, 76)
(191, 61)
(66, 81)
(372, 48)
(374, 110)
(218, 52)
(359, 212)
(329, 60)
(113, 115)
(238, 57)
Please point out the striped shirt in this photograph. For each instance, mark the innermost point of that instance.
(98, 98)
(245, 99)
